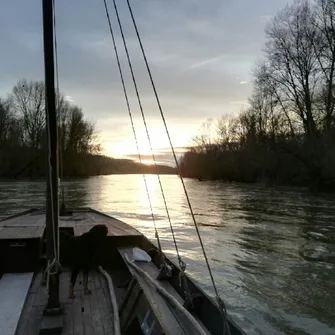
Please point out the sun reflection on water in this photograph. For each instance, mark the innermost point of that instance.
(141, 196)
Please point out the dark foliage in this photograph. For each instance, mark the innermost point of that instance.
(23, 139)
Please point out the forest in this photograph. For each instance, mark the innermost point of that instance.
(286, 135)
(23, 139)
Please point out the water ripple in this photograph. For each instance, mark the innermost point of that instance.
(260, 242)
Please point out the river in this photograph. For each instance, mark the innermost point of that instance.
(254, 236)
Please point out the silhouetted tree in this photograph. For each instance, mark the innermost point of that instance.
(23, 138)
(287, 134)
(28, 102)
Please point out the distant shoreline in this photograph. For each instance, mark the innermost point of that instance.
(42, 178)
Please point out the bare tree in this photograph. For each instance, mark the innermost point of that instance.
(292, 58)
(28, 100)
(228, 132)
(79, 133)
(324, 48)
(204, 138)
(5, 120)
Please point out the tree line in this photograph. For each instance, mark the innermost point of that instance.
(23, 138)
(287, 134)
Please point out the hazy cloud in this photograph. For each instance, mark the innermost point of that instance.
(69, 98)
(197, 50)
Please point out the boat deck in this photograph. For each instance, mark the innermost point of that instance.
(86, 314)
(32, 224)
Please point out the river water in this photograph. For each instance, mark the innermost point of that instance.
(255, 238)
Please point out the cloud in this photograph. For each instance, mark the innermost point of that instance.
(69, 98)
(265, 18)
(196, 50)
(241, 102)
(206, 62)
(160, 158)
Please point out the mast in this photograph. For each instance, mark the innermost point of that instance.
(53, 305)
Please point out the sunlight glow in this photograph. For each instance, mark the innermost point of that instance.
(142, 197)
(121, 147)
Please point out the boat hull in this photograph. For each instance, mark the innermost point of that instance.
(141, 307)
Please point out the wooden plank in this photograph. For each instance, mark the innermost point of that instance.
(66, 303)
(24, 220)
(106, 316)
(101, 218)
(38, 323)
(151, 269)
(92, 217)
(70, 223)
(116, 231)
(64, 287)
(40, 232)
(105, 288)
(80, 230)
(62, 224)
(96, 280)
(11, 232)
(13, 292)
(31, 320)
(41, 221)
(77, 315)
(28, 232)
(167, 319)
(122, 225)
(20, 225)
(162, 310)
(68, 320)
(86, 313)
(41, 296)
(25, 315)
(35, 286)
(112, 230)
(96, 315)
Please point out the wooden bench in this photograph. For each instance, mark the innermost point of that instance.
(14, 288)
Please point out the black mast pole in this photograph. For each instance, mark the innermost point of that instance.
(53, 305)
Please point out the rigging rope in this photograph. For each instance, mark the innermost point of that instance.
(218, 298)
(58, 105)
(116, 319)
(181, 263)
(131, 121)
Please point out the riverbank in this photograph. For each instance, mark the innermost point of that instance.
(261, 163)
(78, 166)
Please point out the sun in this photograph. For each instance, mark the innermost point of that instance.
(121, 147)
(125, 145)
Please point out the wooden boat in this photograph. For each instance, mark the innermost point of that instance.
(152, 297)
(141, 307)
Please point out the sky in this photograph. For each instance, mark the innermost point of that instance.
(201, 54)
